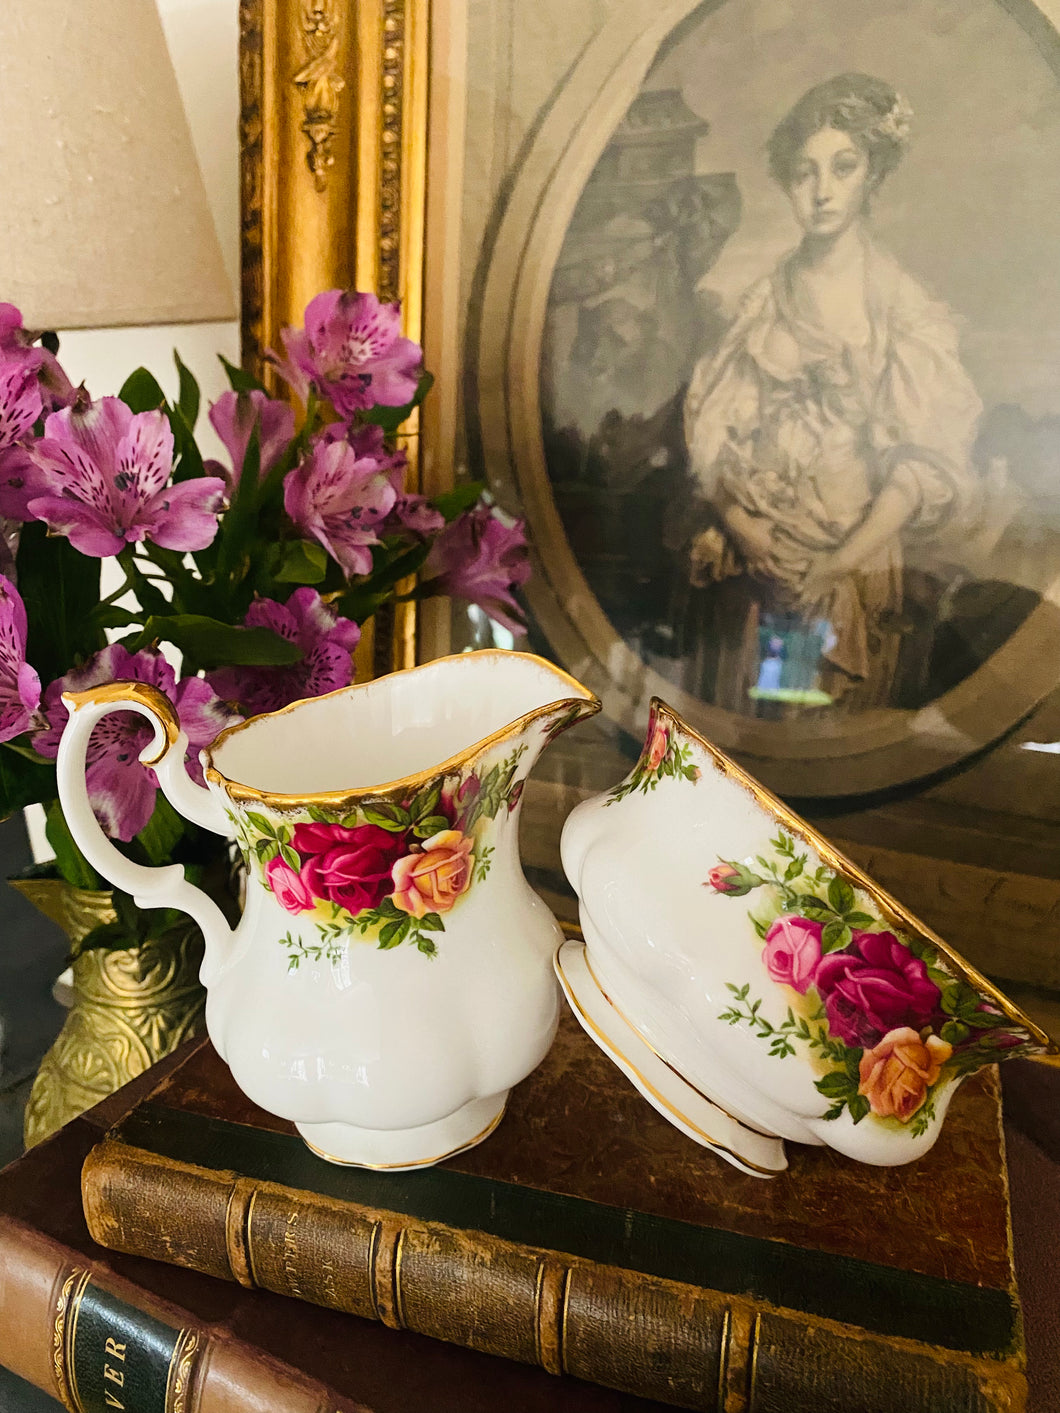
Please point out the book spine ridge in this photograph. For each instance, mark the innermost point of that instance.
(655, 1338)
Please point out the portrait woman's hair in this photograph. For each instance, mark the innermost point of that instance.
(871, 111)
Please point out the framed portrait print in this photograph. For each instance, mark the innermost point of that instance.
(749, 309)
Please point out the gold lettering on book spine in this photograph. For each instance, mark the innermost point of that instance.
(181, 1372)
(68, 1300)
(320, 82)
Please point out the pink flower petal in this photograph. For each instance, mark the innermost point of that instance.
(85, 527)
(143, 458)
(183, 516)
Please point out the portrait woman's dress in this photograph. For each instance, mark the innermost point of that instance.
(793, 424)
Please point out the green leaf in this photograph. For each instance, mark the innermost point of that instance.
(384, 821)
(303, 562)
(836, 1085)
(951, 995)
(261, 824)
(954, 1032)
(814, 909)
(391, 418)
(455, 502)
(318, 816)
(759, 927)
(290, 857)
(425, 802)
(142, 392)
(188, 455)
(388, 908)
(835, 936)
(793, 870)
(841, 895)
(431, 922)
(210, 643)
(69, 859)
(856, 919)
(189, 397)
(433, 824)
(393, 934)
(58, 586)
(239, 380)
(858, 1108)
(149, 596)
(24, 781)
(162, 832)
(108, 616)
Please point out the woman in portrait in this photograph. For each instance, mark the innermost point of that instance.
(834, 424)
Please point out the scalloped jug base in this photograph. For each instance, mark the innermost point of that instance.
(398, 1150)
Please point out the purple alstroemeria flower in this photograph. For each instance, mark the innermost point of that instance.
(104, 482)
(414, 515)
(20, 406)
(56, 388)
(340, 495)
(352, 352)
(233, 417)
(479, 558)
(122, 790)
(327, 642)
(19, 683)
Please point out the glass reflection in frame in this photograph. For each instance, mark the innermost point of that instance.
(796, 509)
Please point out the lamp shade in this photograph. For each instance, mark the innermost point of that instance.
(103, 216)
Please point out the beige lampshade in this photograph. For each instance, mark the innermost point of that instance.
(103, 214)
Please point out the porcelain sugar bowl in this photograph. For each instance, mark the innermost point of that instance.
(752, 982)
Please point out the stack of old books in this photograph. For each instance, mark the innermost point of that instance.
(178, 1250)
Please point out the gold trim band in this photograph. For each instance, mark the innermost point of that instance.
(142, 694)
(420, 1162)
(655, 1093)
(662, 1058)
(580, 697)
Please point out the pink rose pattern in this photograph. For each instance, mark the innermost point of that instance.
(393, 868)
(884, 1020)
(665, 757)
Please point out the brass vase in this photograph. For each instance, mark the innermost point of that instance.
(131, 1006)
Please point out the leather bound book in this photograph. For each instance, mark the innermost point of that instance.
(589, 1236)
(101, 1331)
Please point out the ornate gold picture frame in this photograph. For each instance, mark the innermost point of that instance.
(333, 149)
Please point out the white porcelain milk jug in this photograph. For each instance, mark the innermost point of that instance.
(391, 977)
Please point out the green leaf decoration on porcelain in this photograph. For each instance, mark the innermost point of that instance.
(884, 1022)
(389, 871)
(664, 757)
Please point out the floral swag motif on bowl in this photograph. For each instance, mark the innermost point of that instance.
(882, 1020)
(388, 870)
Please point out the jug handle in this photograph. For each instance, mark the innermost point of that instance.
(164, 886)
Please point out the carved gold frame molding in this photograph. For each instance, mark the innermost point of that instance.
(333, 161)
